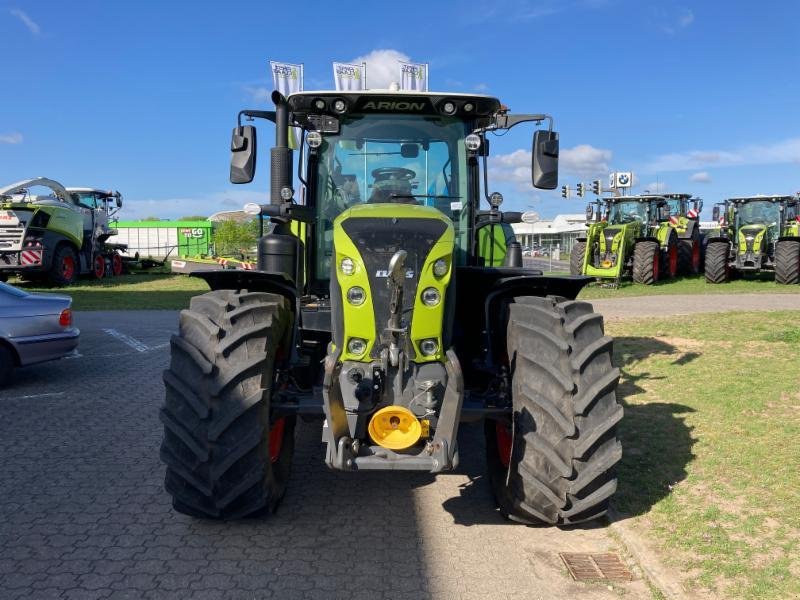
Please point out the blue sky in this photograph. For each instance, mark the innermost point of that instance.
(699, 97)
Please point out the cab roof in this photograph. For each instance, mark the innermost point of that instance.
(773, 198)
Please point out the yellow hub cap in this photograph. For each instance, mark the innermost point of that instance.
(395, 428)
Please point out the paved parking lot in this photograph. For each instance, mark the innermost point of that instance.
(83, 513)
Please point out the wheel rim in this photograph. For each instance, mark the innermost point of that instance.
(99, 267)
(276, 439)
(656, 267)
(673, 260)
(503, 437)
(116, 264)
(696, 257)
(67, 267)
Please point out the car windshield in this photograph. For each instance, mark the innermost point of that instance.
(404, 159)
(626, 212)
(759, 212)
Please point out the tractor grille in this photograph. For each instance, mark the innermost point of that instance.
(11, 237)
(377, 239)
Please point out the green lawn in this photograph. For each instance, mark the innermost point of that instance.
(761, 284)
(711, 453)
(129, 292)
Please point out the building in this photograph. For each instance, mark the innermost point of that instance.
(560, 232)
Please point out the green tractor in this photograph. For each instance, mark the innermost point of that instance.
(632, 237)
(376, 312)
(684, 217)
(756, 234)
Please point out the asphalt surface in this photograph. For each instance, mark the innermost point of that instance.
(83, 513)
(544, 263)
(687, 304)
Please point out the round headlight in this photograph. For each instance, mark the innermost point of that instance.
(431, 296)
(448, 108)
(496, 199)
(319, 104)
(348, 266)
(286, 193)
(440, 267)
(468, 107)
(428, 347)
(357, 346)
(314, 139)
(339, 105)
(472, 142)
(356, 295)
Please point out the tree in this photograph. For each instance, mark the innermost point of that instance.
(151, 218)
(193, 218)
(235, 239)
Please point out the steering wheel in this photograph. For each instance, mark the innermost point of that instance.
(395, 173)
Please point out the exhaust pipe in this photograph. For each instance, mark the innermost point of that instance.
(280, 175)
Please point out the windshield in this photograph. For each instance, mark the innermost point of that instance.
(404, 159)
(675, 206)
(760, 212)
(626, 212)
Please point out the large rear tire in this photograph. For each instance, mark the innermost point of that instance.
(716, 266)
(555, 461)
(226, 457)
(670, 258)
(646, 263)
(787, 262)
(690, 254)
(576, 258)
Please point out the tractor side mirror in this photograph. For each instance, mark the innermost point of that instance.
(698, 205)
(715, 214)
(544, 159)
(243, 154)
(119, 201)
(589, 212)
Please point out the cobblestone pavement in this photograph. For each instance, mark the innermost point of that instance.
(83, 513)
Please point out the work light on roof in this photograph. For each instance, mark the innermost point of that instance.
(314, 139)
(468, 107)
(448, 108)
(339, 105)
(472, 142)
(319, 104)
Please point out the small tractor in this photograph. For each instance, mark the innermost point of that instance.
(59, 236)
(628, 236)
(375, 311)
(756, 234)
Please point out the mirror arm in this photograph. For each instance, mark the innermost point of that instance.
(507, 121)
(269, 115)
(289, 211)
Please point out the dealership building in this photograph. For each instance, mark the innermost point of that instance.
(559, 232)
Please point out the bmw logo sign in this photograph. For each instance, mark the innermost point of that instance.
(623, 179)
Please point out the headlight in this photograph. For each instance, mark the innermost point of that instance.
(357, 346)
(356, 295)
(286, 193)
(348, 266)
(314, 139)
(431, 296)
(429, 347)
(472, 142)
(339, 105)
(440, 268)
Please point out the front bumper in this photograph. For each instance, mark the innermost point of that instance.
(40, 348)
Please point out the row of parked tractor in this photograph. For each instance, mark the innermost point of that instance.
(652, 237)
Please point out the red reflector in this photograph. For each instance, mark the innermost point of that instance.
(65, 318)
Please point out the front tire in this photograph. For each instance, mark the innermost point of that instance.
(690, 257)
(226, 455)
(716, 267)
(787, 262)
(646, 263)
(576, 258)
(66, 266)
(555, 461)
(6, 365)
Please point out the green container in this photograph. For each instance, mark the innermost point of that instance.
(176, 239)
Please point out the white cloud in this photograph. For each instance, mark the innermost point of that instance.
(655, 187)
(686, 19)
(257, 94)
(701, 177)
(783, 152)
(582, 161)
(32, 25)
(172, 208)
(11, 138)
(670, 23)
(382, 67)
(481, 87)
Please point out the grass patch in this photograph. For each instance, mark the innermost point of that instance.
(710, 463)
(757, 284)
(129, 292)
